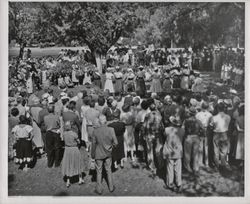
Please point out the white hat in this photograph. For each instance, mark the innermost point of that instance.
(45, 96)
(65, 97)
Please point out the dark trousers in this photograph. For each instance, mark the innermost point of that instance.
(53, 148)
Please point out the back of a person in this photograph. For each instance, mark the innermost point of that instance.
(51, 121)
(119, 128)
(221, 122)
(192, 126)
(70, 138)
(91, 115)
(69, 116)
(35, 112)
(104, 141)
(204, 117)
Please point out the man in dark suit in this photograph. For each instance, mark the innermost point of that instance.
(104, 140)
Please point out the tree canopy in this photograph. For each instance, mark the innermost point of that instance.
(100, 24)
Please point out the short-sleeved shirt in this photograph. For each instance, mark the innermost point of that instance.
(52, 122)
(70, 138)
(22, 131)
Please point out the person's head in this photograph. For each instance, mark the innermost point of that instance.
(154, 95)
(144, 105)
(65, 100)
(79, 95)
(14, 112)
(221, 107)
(101, 101)
(22, 119)
(72, 105)
(204, 105)
(51, 109)
(84, 93)
(86, 100)
(136, 101)
(152, 107)
(102, 119)
(67, 126)
(168, 100)
(116, 115)
(114, 104)
(241, 110)
(178, 99)
(19, 100)
(71, 94)
(92, 103)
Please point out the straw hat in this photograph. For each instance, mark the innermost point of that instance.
(174, 121)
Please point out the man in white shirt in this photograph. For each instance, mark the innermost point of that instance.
(220, 124)
(204, 116)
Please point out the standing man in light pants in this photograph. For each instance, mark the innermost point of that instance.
(173, 152)
(103, 141)
(220, 124)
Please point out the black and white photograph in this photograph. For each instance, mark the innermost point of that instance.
(128, 99)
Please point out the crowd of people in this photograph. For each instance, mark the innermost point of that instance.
(163, 115)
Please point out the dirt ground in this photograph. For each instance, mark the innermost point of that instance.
(130, 181)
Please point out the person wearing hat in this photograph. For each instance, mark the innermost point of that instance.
(152, 131)
(129, 81)
(140, 83)
(156, 82)
(173, 152)
(204, 116)
(193, 130)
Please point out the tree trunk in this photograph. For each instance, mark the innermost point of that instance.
(98, 61)
(22, 46)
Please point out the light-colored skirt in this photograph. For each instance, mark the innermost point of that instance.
(37, 139)
(109, 85)
(129, 138)
(240, 146)
(156, 86)
(72, 163)
(84, 130)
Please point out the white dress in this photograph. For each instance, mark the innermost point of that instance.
(109, 83)
(84, 108)
(87, 79)
(29, 85)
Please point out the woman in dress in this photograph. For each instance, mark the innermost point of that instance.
(23, 134)
(240, 129)
(118, 85)
(167, 83)
(109, 81)
(129, 140)
(185, 78)
(13, 121)
(72, 163)
(84, 131)
(156, 83)
(118, 151)
(29, 83)
(140, 83)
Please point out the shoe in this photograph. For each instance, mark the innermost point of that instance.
(169, 187)
(81, 182)
(178, 189)
(97, 192)
(111, 191)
